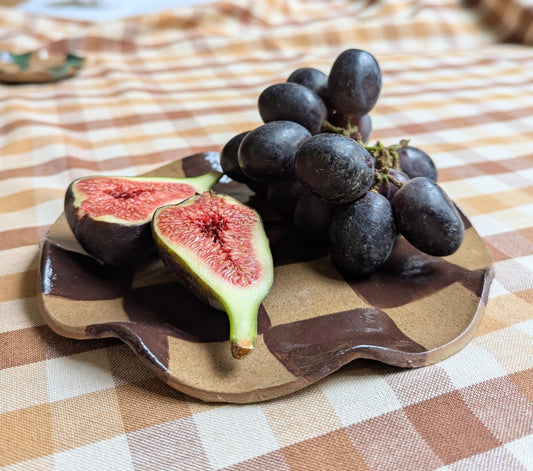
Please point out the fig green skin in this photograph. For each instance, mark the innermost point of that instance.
(334, 167)
(240, 304)
(362, 235)
(427, 217)
(114, 243)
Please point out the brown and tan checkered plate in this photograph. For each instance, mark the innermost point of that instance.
(414, 311)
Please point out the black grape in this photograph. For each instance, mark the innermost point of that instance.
(283, 194)
(313, 79)
(387, 188)
(427, 218)
(292, 102)
(334, 167)
(266, 154)
(354, 82)
(312, 217)
(229, 159)
(416, 163)
(362, 235)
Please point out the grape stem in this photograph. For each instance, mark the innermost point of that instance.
(385, 158)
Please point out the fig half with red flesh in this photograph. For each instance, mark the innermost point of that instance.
(217, 247)
(111, 216)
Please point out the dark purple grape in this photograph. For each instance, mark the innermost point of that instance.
(363, 123)
(313, 79)
(229, 159)
(387, 188)
(266, 154)
(283, 194)
(292, 102)
(354, 82)
(312, 217)
(427, 218)
(259, 188)
(416, 163)
(334, 167)
(362, 235)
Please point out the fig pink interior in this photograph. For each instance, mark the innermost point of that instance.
(126, 199)
(226, 231)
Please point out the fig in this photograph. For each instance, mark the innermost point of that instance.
(110, 216)
(217, 247)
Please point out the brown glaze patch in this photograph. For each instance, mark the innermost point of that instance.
(409, 275)
(168, 308)
(314, 347)
(75, 276)
(147, 341)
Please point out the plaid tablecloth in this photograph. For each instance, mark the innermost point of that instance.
(458, 82)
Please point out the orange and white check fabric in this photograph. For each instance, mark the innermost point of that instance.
(457, 82)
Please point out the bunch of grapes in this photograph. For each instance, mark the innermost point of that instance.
(311, 160)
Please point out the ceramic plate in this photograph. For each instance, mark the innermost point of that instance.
(37, 66)
(414, 311)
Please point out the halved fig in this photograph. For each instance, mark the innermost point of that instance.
(217, 247)
(111, 216)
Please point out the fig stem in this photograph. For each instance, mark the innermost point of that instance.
(238, 351)
(243, 327)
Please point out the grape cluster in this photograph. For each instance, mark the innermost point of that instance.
(311, 160)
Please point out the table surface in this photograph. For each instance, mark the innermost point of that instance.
(458, 82)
